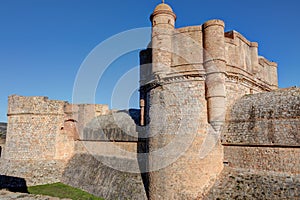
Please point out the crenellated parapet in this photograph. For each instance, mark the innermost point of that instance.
(180, 51)
(243, 60)
(34, 105)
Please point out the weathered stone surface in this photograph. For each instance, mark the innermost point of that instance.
(271, 118)
(276, 159)
(34, 172)
(3, 130)
(261, 151)
(177, 125)
(117, 126)
(248, 184)
(87, 172)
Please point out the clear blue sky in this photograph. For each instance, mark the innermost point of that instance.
(44, 42)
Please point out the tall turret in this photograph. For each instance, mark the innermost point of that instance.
(215, 67)
(174, 110)
(163, 22)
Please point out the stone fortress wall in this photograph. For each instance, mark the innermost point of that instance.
(261, 148)
(199, 87)
(52, 141)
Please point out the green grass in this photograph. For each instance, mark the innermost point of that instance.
(62, 191)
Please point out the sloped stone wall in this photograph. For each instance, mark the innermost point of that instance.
(87, 172)
(103, 160)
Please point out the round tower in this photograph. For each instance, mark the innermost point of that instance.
(215, 67)
(175, 112)
(163, 22)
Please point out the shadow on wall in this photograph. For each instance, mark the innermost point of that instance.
(13, 184)
(88, 173)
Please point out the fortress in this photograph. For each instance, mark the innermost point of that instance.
(212, 124)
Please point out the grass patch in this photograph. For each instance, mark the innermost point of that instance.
(62, 191)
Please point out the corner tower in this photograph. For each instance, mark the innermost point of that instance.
(174, 110)
(163, 23)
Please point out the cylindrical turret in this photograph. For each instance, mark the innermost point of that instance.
(215, 66)
(163, 22)
(254, 57)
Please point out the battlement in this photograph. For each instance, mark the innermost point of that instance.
(187, 46)
(41, 105)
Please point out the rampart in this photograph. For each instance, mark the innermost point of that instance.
(53, 141)
(262, 148)
(41, 136)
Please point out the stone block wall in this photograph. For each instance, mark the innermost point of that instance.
(242, 57)
(235, 183)
(82, 114)
(116, 126)
(34, 172)
(178, 129)
(34, 137)
(87, 172)
(187, 57)
(262, 147)
(34, 126)
(265, 119)
(41, 136)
